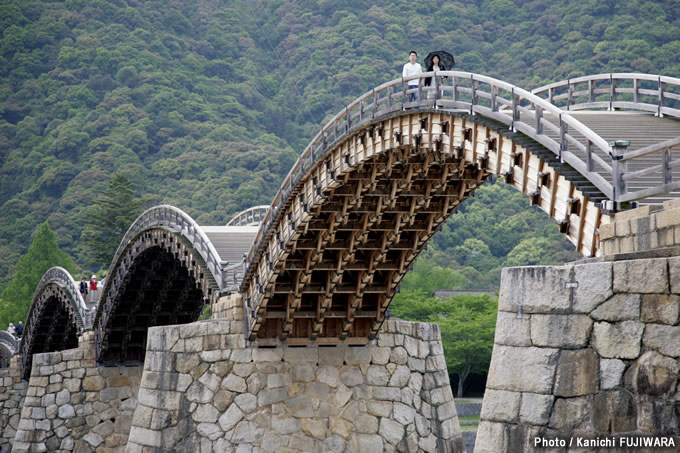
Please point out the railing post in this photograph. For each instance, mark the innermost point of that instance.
(636, 91)
(660, 98)
(564, 146)
(589, 156)
(515, 110)
(591, 91)
(570, 94)
(436, 89)
(619, 167)
(455, 89)
(665, 168)
(539, 118)
(612, 92)
(389, 98)
(494, 101)
(474, 95)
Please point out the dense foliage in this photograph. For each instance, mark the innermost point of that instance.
(204, 105)
(467, 322)
(110, 217)
(43, 254)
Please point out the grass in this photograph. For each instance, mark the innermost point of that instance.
(469, 418)
(469, 427)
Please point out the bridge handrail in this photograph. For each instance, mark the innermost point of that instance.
(368, 106)
(175, 220)
(606, 97)
(612, 90)
(251, 216)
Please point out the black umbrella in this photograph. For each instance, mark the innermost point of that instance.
(446, 60)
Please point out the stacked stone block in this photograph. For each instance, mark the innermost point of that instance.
(584, 350)
(204, 389)
(12, 393)
(73, 405)
(647, 228)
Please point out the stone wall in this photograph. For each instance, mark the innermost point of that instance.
(12, 393)
(584, 350)
(74, 405)
(204, 389)
(647, 228)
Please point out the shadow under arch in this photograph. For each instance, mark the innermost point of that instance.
(58, 315)
(164, 272)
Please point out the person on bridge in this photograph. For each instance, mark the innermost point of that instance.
(93, 289)
(410, 69)
(20, 329)
(82, 287)
(434, 66)
(11, 330)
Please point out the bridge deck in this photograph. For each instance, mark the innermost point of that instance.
(231, 242)
(641, 129)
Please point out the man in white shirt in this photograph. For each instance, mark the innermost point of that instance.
(412, 68)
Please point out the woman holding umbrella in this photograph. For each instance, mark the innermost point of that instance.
(437, 61)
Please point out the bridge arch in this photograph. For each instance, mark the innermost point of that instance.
(9, 346)
(335, 232)
(330, 266)
(164, 272)
(58, 315)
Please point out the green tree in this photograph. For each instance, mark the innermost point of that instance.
(467, 325)
(43, 254)
(467, 335)
(110, 217)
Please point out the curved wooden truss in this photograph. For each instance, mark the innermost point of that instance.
(331, 265)
(157, 280)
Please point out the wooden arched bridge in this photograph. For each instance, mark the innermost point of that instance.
(323, 262)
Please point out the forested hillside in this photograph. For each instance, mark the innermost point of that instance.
(205, 104)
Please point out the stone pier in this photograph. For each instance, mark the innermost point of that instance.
(204, 389)
(72, 404)
(589, 350)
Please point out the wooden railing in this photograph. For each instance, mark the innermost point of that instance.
(628, 91)
(250, 217)
(521, 110)
(654, 94)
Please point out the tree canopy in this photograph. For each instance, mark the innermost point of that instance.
(208, 104)
(43, 254)
(110, 217)
(467, 322)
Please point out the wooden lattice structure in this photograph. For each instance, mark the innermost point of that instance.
(332, 263)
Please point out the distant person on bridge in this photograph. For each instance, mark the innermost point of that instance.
(434, 66)
(93, 289)
(11, 330)
(82, 288)
(410, 69)
(20, 329)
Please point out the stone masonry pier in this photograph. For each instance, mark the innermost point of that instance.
(202, 388)
(590, 349)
